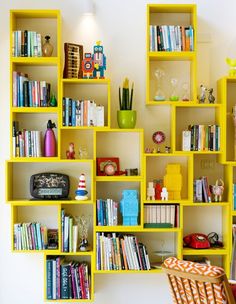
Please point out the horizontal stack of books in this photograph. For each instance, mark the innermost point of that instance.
(120, 252)
(84, 113)
(107, 212)
(30, 236)
(26, 44)
(169, 38)
(161, 216)
(29, 93)
(26, 143)
(67, 279)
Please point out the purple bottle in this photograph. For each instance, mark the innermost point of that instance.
(50, 140)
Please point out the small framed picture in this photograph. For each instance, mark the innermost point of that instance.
(73, 60)
(108, 166)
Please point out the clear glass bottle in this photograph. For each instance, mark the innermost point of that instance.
(47, 48)
(160, 94)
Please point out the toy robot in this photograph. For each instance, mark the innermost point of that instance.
(150, 192)
(164, 194)
(129, 207)
(99, 60)
(87, 66)
(173, 181)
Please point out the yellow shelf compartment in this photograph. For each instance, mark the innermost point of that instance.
(20, 190)
(208, 165)
(211, 251)
(195, 115)
(114, 143)
(234, 213)
(78, 257)
(226, 87)
(156, 170)
(75, 211)
(40, 21)
(98, 90)
(168, 14)
(46, 215)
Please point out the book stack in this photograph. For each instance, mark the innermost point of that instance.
(120, 252)
(29, 93)
(161, 216)
(202, 138)
(69, 233)
(25, 143)
(67, 279)
(30, 236)
(84, 113)
(171, 38)
(26, 44)
(107, 212)
(201, 190)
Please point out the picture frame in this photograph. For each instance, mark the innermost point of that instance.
(108, 166)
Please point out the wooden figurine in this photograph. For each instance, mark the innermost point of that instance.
(150, 192)
(70, 154)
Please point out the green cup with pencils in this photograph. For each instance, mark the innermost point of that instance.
(126, 117)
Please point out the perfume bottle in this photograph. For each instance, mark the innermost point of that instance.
(47, 48)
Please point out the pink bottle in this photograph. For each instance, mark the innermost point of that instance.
(50, 140)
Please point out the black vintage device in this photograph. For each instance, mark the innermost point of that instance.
(49, 186)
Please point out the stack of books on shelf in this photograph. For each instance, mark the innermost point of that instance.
(201, 190)
(26, 143)
(26, 44)
(84, 113)
(107, 212)
(67, 280)
(120, 252)
(161, 216)
(30, 236)
(69, 233)
(202, 138)
(29, 93)
(171, 38)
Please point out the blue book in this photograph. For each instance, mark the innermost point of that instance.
(39, 236)
(67, 112)
(49, 279)
(73, 114)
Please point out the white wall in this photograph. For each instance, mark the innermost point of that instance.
(120, 24)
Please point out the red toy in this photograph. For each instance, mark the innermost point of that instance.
(70, 154)
(87, 66)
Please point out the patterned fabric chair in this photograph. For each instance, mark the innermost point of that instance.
(194, 283)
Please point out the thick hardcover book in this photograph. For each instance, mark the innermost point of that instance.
(49, 280)
(65, 272)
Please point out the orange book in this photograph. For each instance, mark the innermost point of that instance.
(85, 113)
(183, 38)
(187, 39)
(124, 254)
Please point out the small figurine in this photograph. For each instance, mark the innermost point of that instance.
(99, 60)
(211, 98)
(167, 149)
(148, 150)
(202, 96)
(232, 66)
(158, 188)
(70, 154)
(87, 66)
(217, 190)
(173, 181)
(164, 194)
(150, 192)
(129, 207)
(81, 192)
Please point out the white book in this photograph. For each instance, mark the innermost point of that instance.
(153, 214)
(168, 216)
(158, 213)
(163, 213)
(145, 214)
(133, 253)
(66, 234)
(38, 143)
(54, 280)
(75, 237)
(129, 253)
(172, 214)
(100, 116)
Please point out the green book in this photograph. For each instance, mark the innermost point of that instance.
(158, 225)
